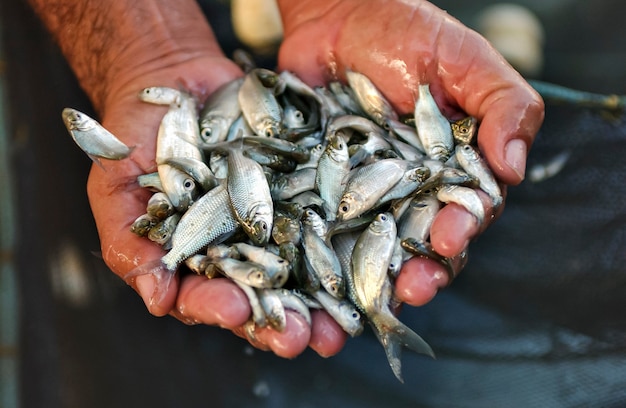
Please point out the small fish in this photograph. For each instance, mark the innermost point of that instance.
(276, 267)
(433, 128)
(472, 162)
(286, 186)
(367, 185)
(321, 258)
(250, 196)
(143, 224)
(370, 98)
(162, 232)
(332, 169)
(93, 139)
(159, 95)
(259, 105)
(294, 302)
(208, 220)
(273, 308)
(249, 273)
(219, 112)
(465, 197)
(344, 312)
(372, 291)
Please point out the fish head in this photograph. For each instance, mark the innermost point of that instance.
(74, 119)
(271, 128)
(440, 153)
(180, 188)
(260, 223)
(463, 130)
(383, 223)
(279, 278)
(353, 323)
(213, 130)
(348, 208)
(258, 278)
(334, 285)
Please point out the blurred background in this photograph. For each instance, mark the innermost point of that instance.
(522, 326)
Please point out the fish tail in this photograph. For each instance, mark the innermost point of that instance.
(393, 335)
(162, 276)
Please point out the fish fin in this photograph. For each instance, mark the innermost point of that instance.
(162, 276)
(96, 160)
(393, 335)
(357, 157)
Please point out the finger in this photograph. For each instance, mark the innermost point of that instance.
(289, 343)
(327, 337)
(211, 301)
(454, 227)
(419, 281)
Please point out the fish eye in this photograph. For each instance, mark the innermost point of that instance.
(258, 275)
(383, 217)
(206, 132)
(188, 184)
(344, 207)
(356, 315)
(281, 261)
(298, 114)
(467, 147)
(269, 133)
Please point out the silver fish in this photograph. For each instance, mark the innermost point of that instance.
(250, 196)
(249, 273)
(372, 291)
(419, 216)
(276, 267)
(332, 169)
(259, 105)
(344, 312)
(321, 258)
(273, 307)
(93, 139)
(370, 98)
(219, 112)
(294, 302)
(159, 95)
(207, 221)
(465, 197)
(179, 137)
(367, 185)
(433, 128)
(258, 312)
(286, 186)
(472, 162)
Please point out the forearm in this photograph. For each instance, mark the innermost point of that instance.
(111, 43)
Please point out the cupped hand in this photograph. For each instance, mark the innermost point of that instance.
(117, 200)
(399, 45)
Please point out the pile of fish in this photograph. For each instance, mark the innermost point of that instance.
(306, 198)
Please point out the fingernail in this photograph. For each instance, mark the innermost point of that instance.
(515, 155)
(145, 286)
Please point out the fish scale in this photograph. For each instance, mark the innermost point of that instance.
(202, 224)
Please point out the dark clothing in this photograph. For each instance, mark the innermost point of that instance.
(536, 318)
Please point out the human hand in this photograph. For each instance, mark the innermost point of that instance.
(399, 45)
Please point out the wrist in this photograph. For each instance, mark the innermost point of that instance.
(114, 46)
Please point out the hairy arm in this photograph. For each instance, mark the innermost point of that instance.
(110, 44)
